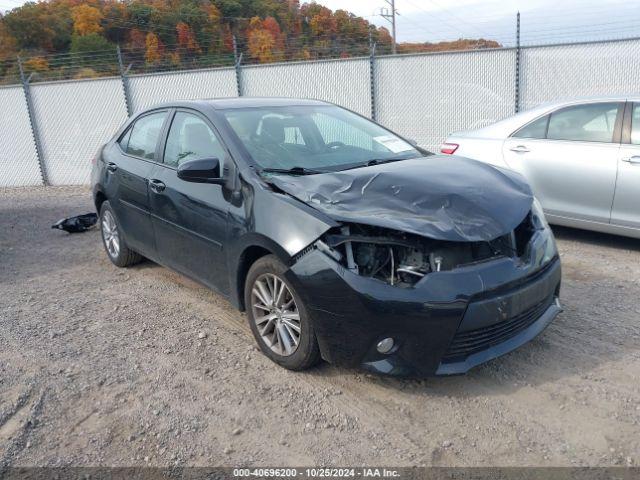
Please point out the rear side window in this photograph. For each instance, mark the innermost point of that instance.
(584, 123)
(535, 129)
(144, 135)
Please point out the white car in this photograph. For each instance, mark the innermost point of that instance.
(581, 158)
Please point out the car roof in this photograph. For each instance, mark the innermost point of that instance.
(242, 102)
(505, 127)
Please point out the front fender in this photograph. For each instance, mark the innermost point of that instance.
(271, 221)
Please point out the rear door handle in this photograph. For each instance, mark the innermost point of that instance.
(520, 149)
(634, 160)
(156, 185)
(112, 167)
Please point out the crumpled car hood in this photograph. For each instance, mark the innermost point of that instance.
(441, 197)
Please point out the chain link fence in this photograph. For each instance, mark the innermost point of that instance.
(49, 131)
(18, 157)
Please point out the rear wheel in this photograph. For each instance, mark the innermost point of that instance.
(114, 244)
(277, 316)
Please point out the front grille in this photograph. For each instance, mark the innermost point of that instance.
(473, 341)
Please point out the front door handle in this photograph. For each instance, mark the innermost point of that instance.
(634, 160)
(111, 167)
(520, 149)
(156, 185)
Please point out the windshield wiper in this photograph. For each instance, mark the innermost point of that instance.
(292, 171)
(378, 161)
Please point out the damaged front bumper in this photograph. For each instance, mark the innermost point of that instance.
(447, 323)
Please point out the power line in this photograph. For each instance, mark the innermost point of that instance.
(447, 12)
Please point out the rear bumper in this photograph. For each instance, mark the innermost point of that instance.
(493, 307)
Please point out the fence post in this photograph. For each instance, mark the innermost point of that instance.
(32, 121)
(372, 74)
(517, 99)
(125, 82)
(237, 58)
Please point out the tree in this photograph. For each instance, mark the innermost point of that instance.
(323, 24)
(86, 19)
(261, 44)
(153, 52)
(36, 64)
(186, 39)
(265, 40)
(137, 39)
(90, 44)
(91, 51)
(266, 30)
(31, 27)
(271, 25)
(115, 22)
(213, 32)
(8, 44)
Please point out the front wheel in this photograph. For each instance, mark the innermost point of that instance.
(277, 316)
(117, 250)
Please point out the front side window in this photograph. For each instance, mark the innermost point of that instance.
(584, 123)
(144, 135)
(635, 125)
(317, 138)
(190, 138)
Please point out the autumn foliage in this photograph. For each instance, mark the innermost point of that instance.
(86, 19)
(78, 37)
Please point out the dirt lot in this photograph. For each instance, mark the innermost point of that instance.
(100, 365)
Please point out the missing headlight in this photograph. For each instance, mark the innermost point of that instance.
(402, 259)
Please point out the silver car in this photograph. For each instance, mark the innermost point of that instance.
(582, 159)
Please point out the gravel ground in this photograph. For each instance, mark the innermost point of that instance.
(140, 366)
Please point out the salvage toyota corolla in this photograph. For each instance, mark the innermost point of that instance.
(339, 238)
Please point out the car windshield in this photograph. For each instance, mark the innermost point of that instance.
(304, 140)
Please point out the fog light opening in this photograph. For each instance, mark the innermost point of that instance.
(385, 345)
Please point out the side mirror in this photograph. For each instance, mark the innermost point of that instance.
(203, 170)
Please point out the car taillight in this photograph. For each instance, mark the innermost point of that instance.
(449, 148)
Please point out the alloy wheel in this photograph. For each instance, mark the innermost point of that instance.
(110, 234)
(276, 314)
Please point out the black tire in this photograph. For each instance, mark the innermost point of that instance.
(307, 352)
(124, 257)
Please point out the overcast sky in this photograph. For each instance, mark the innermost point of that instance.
(543, 21)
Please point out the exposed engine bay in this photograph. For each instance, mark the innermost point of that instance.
(402, 259)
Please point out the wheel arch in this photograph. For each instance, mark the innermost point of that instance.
(99, 198)
(252, 248)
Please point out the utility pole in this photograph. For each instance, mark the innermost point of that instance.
(390, 16)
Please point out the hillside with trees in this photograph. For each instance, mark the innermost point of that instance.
(79, 38)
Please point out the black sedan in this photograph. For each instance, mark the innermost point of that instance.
(339, 238)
